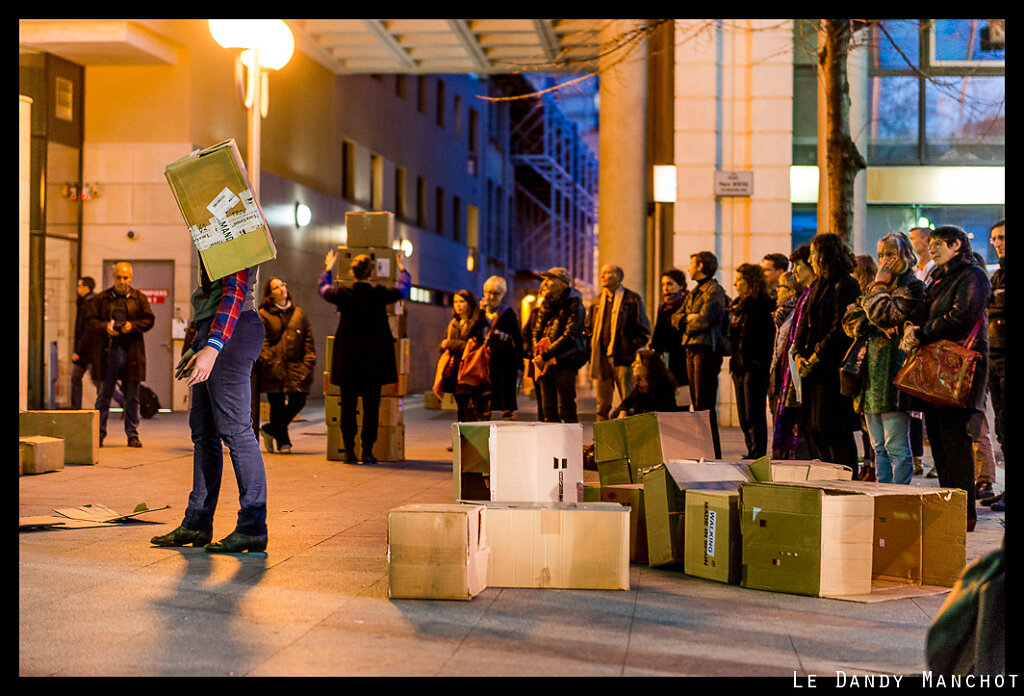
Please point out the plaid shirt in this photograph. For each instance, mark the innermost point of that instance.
(233, 291)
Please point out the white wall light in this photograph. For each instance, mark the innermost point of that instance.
(303, 215)
(665, 183)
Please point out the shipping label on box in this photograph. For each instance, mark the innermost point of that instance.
(648, 439)
(712, 543)
(376, 229)
(558, 545)
(437, 551)
(523, 462)
(225, 221)
(385, 264)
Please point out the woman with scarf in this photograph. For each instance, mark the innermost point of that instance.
(468, 321)
(789, 441)
(752, 328)
(667, 339)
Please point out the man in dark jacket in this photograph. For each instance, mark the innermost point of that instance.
(702, 320)
(82, 352)
(556, 345)
(364, 348)
(618, 327)
(118, 317)
(997, 344)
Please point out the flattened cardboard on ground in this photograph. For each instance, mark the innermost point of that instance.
(80, 431)
(648, 439)
(212, 189)
(437, 551)
(632, 496)
(665, 504)
(91, 515)
(517, 461)
(853, 540)
(582, 546)
(765, 469)
(41, 454)
(712, 543)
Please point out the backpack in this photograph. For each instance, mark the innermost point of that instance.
(149, 403)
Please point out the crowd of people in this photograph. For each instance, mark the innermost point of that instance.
(788, 334)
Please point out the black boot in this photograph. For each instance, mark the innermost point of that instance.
(368, 457)
(183, 536)
(350, 452)
(236, 542)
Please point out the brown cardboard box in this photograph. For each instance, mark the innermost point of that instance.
(80, 431)
(390, 412)
(375, 229)
(437, 551)
(632, 496)
(386, 272)
(712, 545)
(854, 540)
(389, 446)
(225, 220)
(558, 545)
(764, 469)
(648, 439)
(40, 454)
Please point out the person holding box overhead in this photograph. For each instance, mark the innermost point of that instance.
(364, 350)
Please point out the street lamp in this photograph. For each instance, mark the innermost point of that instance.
(664, 193)
(268, 45)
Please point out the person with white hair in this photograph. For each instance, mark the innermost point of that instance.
(506, 343)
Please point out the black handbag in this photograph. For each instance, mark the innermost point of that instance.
(851, 370)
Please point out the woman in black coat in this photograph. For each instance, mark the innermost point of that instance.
(506, 343)
(752, 330)
(819, 347)
(468, 321)
(955, 301)
(666, 338)
(364, 348)
(286, 362)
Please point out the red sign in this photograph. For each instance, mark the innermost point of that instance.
(158, 296)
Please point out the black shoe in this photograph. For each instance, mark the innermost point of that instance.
(350, 453)
(984, 492)
(183, 536)
(268, 439)
(368, 457)
(236, 542)
(134, 441)
(999, 505)
(993, 500)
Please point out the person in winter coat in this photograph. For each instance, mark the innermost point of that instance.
(752, 329)
(506, 343)
(667, 339)
(954, 307)
(468, 321)
(654, 387)
(364, 348)
(557, 346)
(890, 299)
(702, 321)
(819, 347)
(286, 362)
(117, 318)
(789, 433)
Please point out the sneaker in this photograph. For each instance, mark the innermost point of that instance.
(284, 449)
(918, 469)
(984, 492)
(134, 441)
(932, 473)
(992, 501)
(999, 505)
(268, 439)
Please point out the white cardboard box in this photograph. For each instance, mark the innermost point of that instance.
(522, 461)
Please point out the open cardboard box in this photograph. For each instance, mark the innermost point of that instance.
(623, 447)
(766, 469)
(517, 461)
(854, 540)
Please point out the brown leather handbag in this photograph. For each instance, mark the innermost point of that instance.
(475, 366)
(941, 372)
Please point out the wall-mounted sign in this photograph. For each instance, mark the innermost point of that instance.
(734, 183)
(155, 296)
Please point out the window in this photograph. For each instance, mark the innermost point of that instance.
(457, 115)
(376, 182)
(421, 94)
(348, 170)
(400, 86)
(440, 103)
(474, 136)
(401, 205)
(937, 92)
(439, 211)
(457, 219)
(421, 202)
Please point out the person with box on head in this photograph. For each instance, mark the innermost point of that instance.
(286, 362)
(364, 348)
(702, 320)
(618, 327)
(223, 343)
(118, 317)
(556, 346)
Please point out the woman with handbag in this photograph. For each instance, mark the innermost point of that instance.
(468, 322)
(286, 362)
(874, 321)
(955, 307)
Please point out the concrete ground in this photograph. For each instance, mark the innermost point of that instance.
(103, 601)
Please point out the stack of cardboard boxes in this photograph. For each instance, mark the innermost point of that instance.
(47, 440)
(372, 234)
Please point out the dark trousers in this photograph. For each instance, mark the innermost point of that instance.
(751, 404)
(917, 436)
(835, 446)
(556, 395)
(117, 363)
(997, 392)
(283, 408)
(951, 433)
(702, 368)
(350, 397)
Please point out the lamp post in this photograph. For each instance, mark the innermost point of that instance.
(268, 45)
(664, 193)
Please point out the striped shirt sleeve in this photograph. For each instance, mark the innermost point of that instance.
(233, 291)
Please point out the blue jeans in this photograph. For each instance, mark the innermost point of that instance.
(117, 360)
(890, 439)
(222, 413)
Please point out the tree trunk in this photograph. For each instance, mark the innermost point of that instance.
(843, 159)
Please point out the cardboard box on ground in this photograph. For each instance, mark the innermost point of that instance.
(80, 431)
(224, 218)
